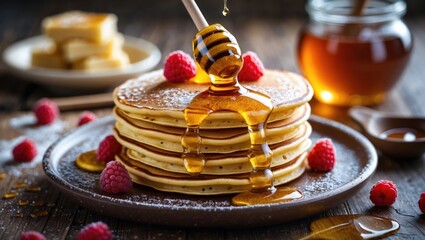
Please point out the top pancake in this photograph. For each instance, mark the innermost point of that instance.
(151, 98)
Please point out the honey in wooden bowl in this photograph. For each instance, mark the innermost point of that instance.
(354, 59)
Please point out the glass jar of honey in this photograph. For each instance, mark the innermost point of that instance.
(354, 51)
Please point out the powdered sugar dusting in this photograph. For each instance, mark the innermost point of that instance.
(152, 91)
(283, 89)
(325, 182)
(43, 136)
(6, 147)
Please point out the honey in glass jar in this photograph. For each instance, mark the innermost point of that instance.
(352, 56)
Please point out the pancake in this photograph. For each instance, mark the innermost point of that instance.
(151, 98)
(169, 138)
(205, 184)
(150, 124)
(216, 164)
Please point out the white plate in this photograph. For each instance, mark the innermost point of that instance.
(143, 55)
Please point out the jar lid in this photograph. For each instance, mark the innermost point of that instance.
(341, 11)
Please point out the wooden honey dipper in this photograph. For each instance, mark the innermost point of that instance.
(214, 48)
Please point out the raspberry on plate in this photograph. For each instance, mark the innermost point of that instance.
(45, 111)
(322, 156)
(179, 67)
(383, 193)
(32, 235)
(25, 151)
(421, 203)
(95, 230)
(252, 68)
(86, 117)
(108, 148)
(115, 178)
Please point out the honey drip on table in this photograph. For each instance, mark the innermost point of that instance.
(352, 227)
(218, 53)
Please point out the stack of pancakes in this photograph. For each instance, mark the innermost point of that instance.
(150, 123)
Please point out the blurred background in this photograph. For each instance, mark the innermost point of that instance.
(135, 15)
(167, 24)
(166, 9)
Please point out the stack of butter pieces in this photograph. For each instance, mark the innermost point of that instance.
(81, 41)
(150, 123)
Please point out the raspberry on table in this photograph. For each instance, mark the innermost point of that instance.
(86, 117)
(179, 67)
(25, 151)
(252, 68)
(383, 193)
(421, 203)
(46, 111)
(32, 235)
(108, 148)
(95, 230)
(115, 178)
(322, 156)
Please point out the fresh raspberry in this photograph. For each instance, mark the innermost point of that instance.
(421, 203)
(108, 148)
(46, 111)
(252, 68)
(32, 235)
(322, 156)
(25, 151)
(383, 193)
(86, 117)
(179, 67)
(115, 178)
(95, 230)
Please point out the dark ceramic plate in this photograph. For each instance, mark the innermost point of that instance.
(356, 162)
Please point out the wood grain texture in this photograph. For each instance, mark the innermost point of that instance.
(274, 40)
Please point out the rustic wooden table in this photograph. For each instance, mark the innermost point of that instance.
(274, 40)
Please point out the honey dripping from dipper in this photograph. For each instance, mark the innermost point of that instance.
(218, 53)
(226, 10)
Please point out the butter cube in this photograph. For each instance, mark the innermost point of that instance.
(47, 56)
(95, 27)
(94, 63)
(77, 49)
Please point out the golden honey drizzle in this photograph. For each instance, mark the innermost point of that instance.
(88, 161)
(38, 203)
(218, 53)
(226, 10)
(42, 213)
(23, 202)
(10, 195)
(33, 188)
(20, 185)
